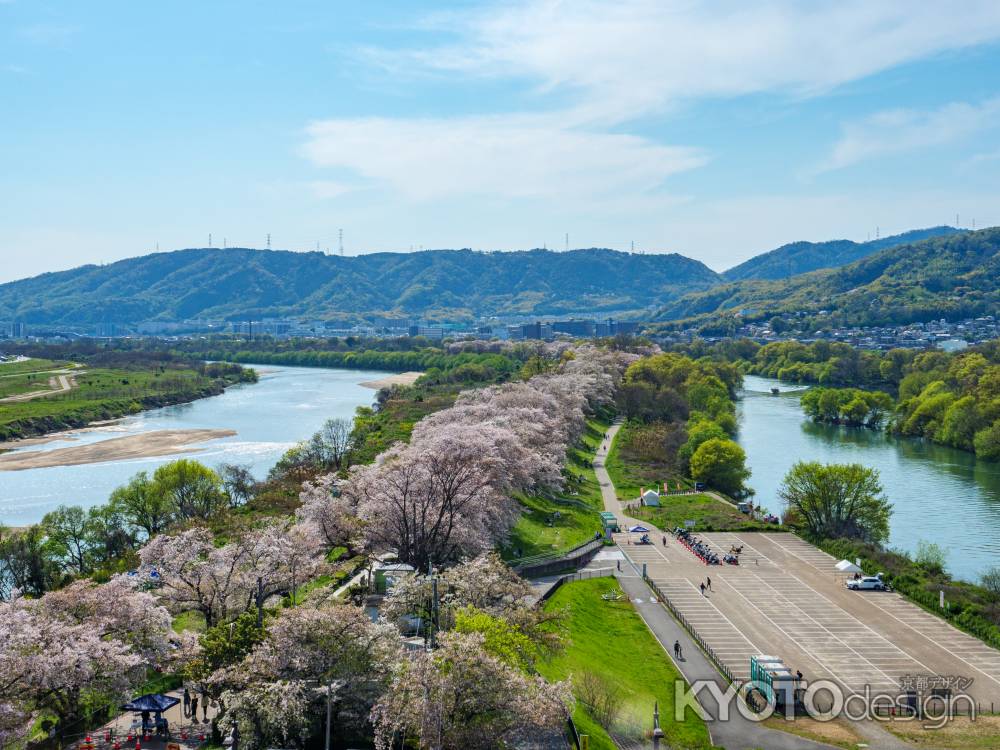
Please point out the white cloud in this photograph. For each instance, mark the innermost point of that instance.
(505, 156)
(631, 56)
(899, 130)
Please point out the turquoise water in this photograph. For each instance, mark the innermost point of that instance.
(939, 494)
(287, 405)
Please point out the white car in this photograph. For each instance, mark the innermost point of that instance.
(868, 583)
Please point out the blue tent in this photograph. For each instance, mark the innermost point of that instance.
(153, 702)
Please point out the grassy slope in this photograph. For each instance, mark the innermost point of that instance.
(630, 475)
(533, 535)
(610, 638)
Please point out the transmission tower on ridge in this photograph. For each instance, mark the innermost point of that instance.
(340, 240)
(268, 240)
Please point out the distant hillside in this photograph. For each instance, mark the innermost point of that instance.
(802, 257)
(240, 283)
(957, 275)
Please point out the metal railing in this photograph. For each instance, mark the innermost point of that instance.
(717, 662)
(544, 557)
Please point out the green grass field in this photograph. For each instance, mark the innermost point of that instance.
(578, 505)
(609, 639)
(631, 473)
(708, 513)
(29, 366)
(101, 393)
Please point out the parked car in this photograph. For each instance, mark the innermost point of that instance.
(868, 583)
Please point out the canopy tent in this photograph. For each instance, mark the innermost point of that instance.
(639, 529)
(152, 702)
(846, 566)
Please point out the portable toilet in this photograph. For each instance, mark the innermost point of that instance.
(609, 522)
(773, 679)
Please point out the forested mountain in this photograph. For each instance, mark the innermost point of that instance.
(802, 257)
(952, 276)
(241, 283)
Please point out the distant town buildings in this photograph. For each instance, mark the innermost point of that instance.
(932, 334)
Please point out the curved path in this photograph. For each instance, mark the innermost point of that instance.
(736, 733)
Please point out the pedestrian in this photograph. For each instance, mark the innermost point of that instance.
(194, 708)
(664, 540)
(677, 649)
(204, 705)
(709, 582)
(187, 703)
(798, 675)
(703, 589)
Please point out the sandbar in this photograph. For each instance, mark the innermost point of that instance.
(401, 378)
(143, 445)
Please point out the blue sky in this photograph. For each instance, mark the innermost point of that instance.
(718, 130)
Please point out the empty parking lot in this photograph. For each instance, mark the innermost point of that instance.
(787, 599)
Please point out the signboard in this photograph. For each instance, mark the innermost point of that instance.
(689, 524)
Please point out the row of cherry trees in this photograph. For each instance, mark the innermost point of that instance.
(448, 493)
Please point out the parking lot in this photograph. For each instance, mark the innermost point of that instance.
(786, 599)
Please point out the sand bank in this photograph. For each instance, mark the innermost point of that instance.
(402, 378)
(143, 445)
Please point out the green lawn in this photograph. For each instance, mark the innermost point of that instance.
(708, 513)
(30, 365)
(578, 505)
(609, 639)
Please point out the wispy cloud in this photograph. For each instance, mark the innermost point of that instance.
(899, 130)
(507, 156)
(632, 56)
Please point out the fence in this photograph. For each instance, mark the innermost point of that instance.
(533, 565)
(724, 670)
(580, 575)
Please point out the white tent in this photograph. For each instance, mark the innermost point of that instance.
(846, 566)
(651, 497)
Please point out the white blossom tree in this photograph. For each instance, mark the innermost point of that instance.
(459, 697)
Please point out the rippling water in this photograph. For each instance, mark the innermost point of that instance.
(939, 494)
(288, 404)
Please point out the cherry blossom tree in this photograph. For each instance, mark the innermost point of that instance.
(308, 648)
(84, 642)
(221, 582)
(329, 512)
(444, 496)
(459, 697)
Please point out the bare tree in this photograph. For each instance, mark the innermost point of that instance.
(238, 483)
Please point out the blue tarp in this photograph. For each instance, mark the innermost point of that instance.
(639, 529)
(152, 702)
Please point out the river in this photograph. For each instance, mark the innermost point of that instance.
(287, 405)
(939, 494)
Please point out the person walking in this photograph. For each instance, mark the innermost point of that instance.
(677, 650)
(664, 540)
(204, 704)
(194, 708)
(187, 703)
(702, 589)
(708, 580)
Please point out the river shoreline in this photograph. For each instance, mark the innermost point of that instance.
(400, 378)
(144, 445)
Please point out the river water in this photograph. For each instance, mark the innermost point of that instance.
(939, 494)
(287, 405)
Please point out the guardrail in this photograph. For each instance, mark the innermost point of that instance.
(543, 557)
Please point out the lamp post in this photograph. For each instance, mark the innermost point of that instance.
(657, 732)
